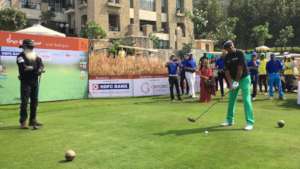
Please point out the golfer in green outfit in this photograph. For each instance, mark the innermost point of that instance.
(238, 77)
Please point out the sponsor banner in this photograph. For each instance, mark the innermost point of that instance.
(299, 92)
(12, 39)
(110, 88)
(150, 86)
(65, 61)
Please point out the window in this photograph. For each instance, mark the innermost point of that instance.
(143, 22)
(114, 1)
(30, 5)
(164, 27)
(182, 27)
(114, 22)
(131, 3)
(131, 21)
(148, 5)
(180, 6)
(83, 20)
(164, 6)
(163, 44)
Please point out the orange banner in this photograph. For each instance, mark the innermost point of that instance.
(13, 39)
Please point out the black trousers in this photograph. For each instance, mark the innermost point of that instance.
(173, 81)
(262, 79)
(221, 77)
(184, 84)
(289, 82)
(29, 90)
(254, 81)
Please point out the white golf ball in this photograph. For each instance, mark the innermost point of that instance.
(206, 132)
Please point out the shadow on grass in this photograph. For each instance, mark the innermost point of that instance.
(10, 128)
(63, 161)
(183, 132)
(288, 103)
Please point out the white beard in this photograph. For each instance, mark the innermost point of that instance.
(30, 55)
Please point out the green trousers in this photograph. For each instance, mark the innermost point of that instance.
(244, 85)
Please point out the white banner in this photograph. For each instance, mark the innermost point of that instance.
(299, 92)
(154, 86)
(151, 86)
(111, 88)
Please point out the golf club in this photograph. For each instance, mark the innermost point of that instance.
(193, 120)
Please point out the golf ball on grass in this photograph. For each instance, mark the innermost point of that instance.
(281, 123)
(70, 155)
(206, 132)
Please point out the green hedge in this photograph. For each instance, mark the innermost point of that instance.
(286, 49)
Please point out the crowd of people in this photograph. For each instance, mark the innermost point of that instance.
(266, 75)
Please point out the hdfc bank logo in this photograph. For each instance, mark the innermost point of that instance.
(95, 87)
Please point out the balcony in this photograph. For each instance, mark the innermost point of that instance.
(70, 9)
(180, 12)
(30, 5)
(114, 3)
(83, 4)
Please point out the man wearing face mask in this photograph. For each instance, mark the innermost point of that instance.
(30, 68)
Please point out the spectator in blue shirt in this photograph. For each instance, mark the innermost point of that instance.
(221, 73)
(190, 67)
(183, 80)
(173, 67)
(253, 68)
(274, 67)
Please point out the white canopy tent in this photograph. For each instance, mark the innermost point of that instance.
(41, 30)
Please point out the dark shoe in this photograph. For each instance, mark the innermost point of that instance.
(23, 125)
(35, 123)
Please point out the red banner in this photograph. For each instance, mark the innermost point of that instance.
(13, 39)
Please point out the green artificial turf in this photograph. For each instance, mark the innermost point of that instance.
(151, 133)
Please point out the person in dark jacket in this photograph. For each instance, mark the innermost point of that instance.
(183, 81)
(30, 68)
(173, 67)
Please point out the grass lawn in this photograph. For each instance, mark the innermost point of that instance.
(151, 133)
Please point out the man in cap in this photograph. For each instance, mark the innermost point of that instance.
(190, 67)
(274, 67)
(30, 68)
(237, 74)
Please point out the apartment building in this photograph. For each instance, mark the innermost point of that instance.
(132, 20)
(135, 19)
(34, 8)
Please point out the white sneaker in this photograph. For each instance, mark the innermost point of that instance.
(249, 127)
(227, 124)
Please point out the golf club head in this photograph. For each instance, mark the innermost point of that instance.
(190, 119)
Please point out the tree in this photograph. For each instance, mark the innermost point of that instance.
(115, 47)
(261, 34)
(214, 15)
(198, 17)
(155, 40)
(47, 16)
(225, 30)
(12, 19)
(93, 31)
(187, 48)
(285, 35)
